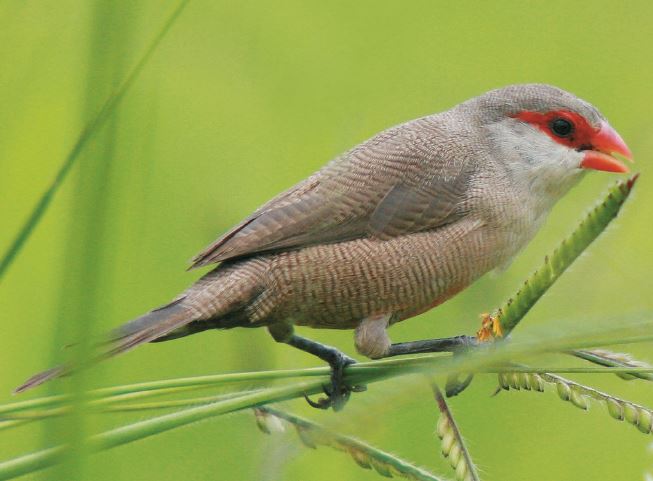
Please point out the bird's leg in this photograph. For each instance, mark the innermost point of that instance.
(445, 344)
(490, 330)
(339, 391)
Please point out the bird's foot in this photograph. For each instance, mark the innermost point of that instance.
(490, 328)
(338, 392)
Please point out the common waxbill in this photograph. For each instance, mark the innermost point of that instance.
(391, 228)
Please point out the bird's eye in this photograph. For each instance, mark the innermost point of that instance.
(562, 127)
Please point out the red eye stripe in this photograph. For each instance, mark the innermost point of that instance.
(581, 137)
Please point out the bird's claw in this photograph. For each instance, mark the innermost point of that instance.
(338, 392)
(455, 386)
(322, 403)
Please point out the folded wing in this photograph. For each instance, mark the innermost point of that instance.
(400, 181)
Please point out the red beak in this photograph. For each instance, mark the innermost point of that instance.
(604, 143)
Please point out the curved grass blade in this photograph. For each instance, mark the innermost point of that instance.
(365, 455)
(87, 133)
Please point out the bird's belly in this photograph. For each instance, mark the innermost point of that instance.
(336, 286)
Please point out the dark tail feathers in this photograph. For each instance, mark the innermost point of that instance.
(149, 327)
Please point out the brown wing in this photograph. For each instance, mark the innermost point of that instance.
(400, 181)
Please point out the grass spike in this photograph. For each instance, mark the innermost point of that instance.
(513, 310)
(580, 395)
(516, 307)
(452, 443)
(366, 456)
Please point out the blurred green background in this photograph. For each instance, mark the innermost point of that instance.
(242, 100)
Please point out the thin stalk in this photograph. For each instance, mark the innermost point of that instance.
(121, 403)
(121, 407)
(86, 134)
(494, 355)
(175, 403)
(616, 360)
(116, 437)
(14, 423)
(363, 372)
(168, 386)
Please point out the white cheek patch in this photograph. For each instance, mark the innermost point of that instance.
(536, 159)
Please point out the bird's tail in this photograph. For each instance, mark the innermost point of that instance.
(146, 328)
(218, 300)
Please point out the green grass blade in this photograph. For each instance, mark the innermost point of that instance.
(16, 417)
(30, 463)
(364, 371)
(48, 457)
(87, 133)
(19, 412)
(169, 386)
(512, 312)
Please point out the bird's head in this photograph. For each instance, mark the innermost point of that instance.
(547, 137)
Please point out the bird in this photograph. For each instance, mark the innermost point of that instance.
(393, 227)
